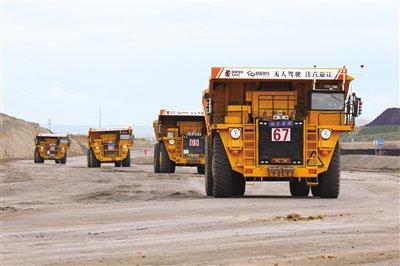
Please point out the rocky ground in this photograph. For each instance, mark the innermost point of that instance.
(69, 214)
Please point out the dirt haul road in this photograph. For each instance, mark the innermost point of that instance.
(69, 214)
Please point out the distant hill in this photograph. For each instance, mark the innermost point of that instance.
(390, 117)
(386, 126)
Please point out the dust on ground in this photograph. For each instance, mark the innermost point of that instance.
(70, 214)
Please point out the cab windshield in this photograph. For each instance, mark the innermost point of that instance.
(327, 100)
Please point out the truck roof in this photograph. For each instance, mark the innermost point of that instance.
(109, 129)
(229, 73)
(180, 113)
(51, 135)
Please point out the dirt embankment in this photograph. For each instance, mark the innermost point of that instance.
(78, 146)
(370, 163)
(17, 139)
(369, 145)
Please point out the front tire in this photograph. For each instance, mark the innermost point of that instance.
(208, 176)
(299, 188)
(63, 160)
(36, 157)
(157, 158)
(239, 184)
(329, 181)
(127, 161)
(221, 169)
(92, 160)
(166, 165)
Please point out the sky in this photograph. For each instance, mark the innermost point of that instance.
(64, 60)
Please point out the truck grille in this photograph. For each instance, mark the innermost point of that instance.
(110, 149)
(280, 142)
(193, 144)
(52, 149)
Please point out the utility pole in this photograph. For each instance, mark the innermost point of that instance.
(49, 124)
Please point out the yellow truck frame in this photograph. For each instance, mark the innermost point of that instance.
(276, 124)
(49, 146)
(180, 140)
(110, 145)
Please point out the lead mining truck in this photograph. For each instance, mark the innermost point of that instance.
(275, 124)
(180, 140)
(49, 146)
(110, 145)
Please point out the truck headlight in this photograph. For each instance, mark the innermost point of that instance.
(41, 148)
(326, 133)
(235, 133)
(124, 146)
(171, 142)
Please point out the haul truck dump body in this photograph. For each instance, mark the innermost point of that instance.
(180, 140)
(110, 145)
(276, 125)
(50, 146)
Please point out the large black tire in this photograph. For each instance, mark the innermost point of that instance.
(127, 161)
(299, 188)
(200, 169)
(157, 158)
(208, 176)
(92, 160)
(36, 157)
(117, 164)
(88, 158)
(329, 181)
(63, 160)
(57, 161)
(221, 169)
(166, 165)
(239, 184)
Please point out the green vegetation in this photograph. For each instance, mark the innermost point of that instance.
(370, 133)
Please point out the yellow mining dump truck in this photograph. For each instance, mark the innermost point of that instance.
(110, 145)
(276, 125)
(50, 146)
(180, 140)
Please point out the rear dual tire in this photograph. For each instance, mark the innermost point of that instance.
(299, 188)
(200, 169)
(328, 182)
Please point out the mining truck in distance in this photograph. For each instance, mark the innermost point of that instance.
(180, 140)
(49, 146)
(110, 145)
(277, 124)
